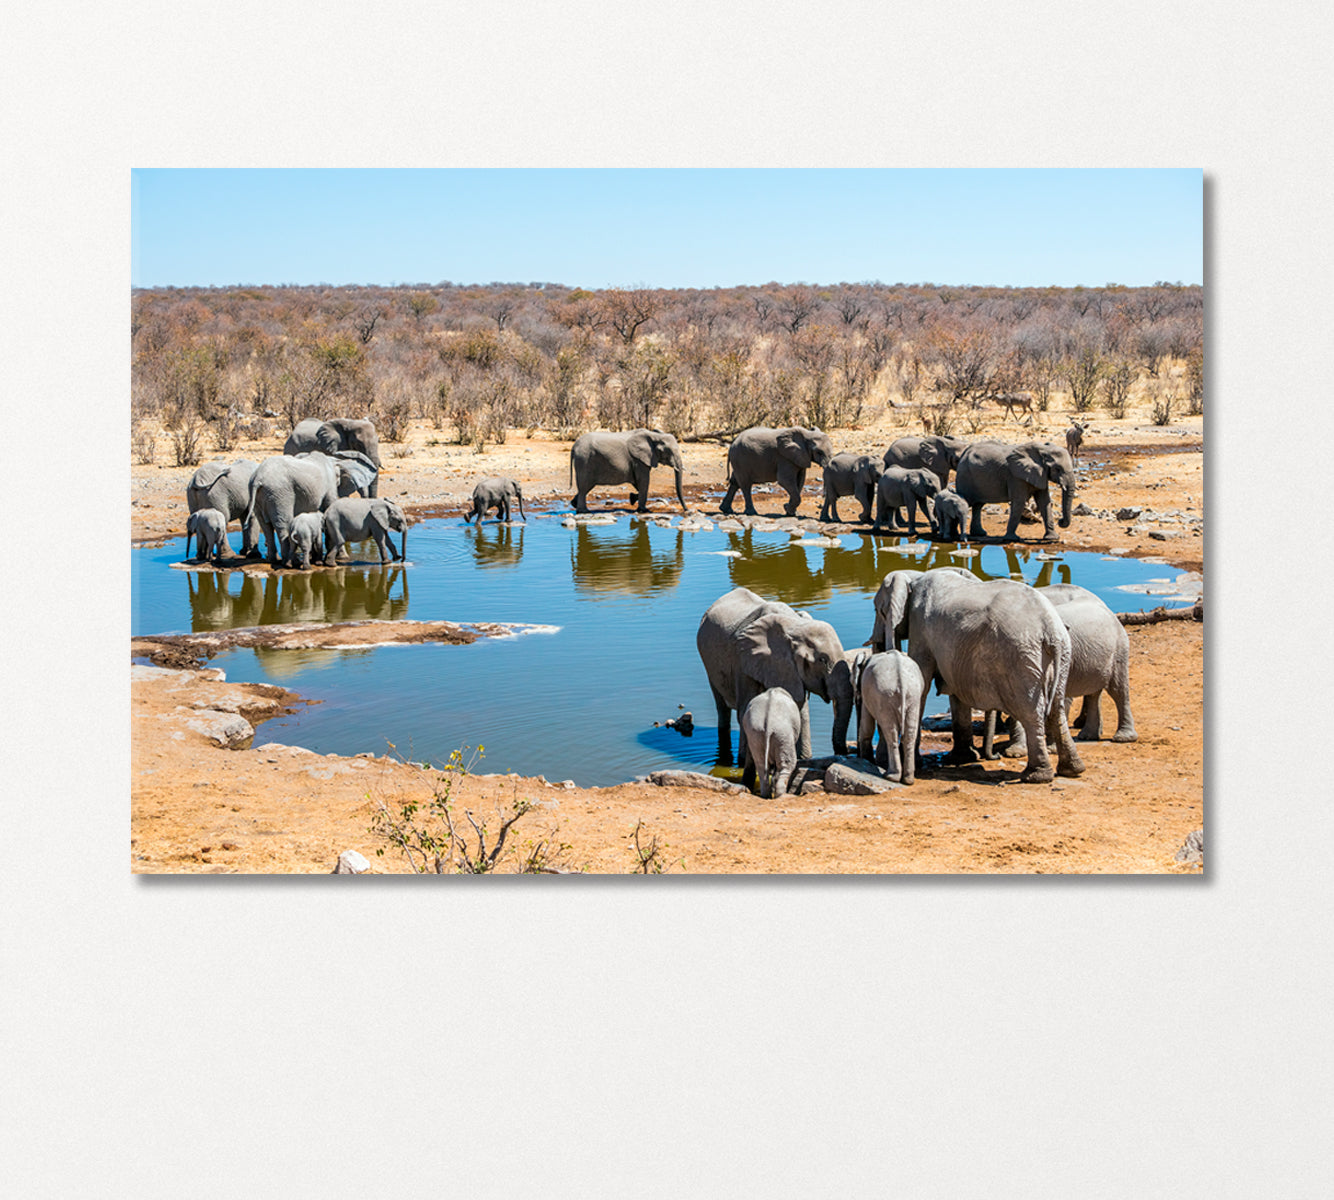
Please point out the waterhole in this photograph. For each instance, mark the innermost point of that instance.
(579, 703)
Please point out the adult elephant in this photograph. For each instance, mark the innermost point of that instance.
(854, 475)
(600, 458)
(910, 487)
(997, 644)
(335, 434)
(749, 644)
(936, 454)
(782, 456)
(1099, 662)
(285, 485)
(995, 473)
(226, 487)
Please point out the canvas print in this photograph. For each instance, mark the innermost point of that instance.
(667, 521)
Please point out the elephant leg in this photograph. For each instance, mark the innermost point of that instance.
(865, 735)
(891, 759)
(790, 480)
(910, 735)
(581, 499)
(989, 736)
(975, 529)
(1018, 743)
(804, 741)
(1092, 713)
(1044, 511)
(724, 729)
(1057, 731)
(639, 497)
(333, 543)
(379, 545)
(1039, 769)
(1118, 688)
(750, 502)
(1016, 511)
(748, 770)
(885, 750)
(961, 725)
(830, 502)
(726, 505)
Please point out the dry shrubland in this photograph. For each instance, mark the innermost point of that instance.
(478, 361)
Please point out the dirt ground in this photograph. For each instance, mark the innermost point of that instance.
(198, 807)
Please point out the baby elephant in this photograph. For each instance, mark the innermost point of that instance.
(891, 693)
(304, 536)
(354, 520)
(951, 516)
(771, 726)
(495, 491)
(910, 486)
(208, 527)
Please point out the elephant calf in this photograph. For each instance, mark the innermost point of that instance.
(951, 516)
(354, 520)
(910, 486)
(304, 538)
(208, 527)
(891, 696)
(771, 726)
(495, 491)
(853, 475)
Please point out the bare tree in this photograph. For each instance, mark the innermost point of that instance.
(628, 311)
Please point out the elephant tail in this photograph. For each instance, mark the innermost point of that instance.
(572, 466)
(1055, 671)
(250, 504)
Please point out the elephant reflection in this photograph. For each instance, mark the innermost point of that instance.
(497, 545)
(337, 595)
(602, 561)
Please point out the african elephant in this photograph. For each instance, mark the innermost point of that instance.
(749, 644)
(285, 485)
(994, 473)
(208, 527)
(600, 458)
(950, 518)
(495, 491)
(1099, 661)
(935, 454)
(844, 682)
(854, 475)
(338, 433)
(305, 538)
(351, 519)
(226, 488)
(891, 698)
(910, 486)
(782, 456)
(771, 727)
(994, 644)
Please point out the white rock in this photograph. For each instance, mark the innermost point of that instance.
(350, 862)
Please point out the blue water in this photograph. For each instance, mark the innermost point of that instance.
(576, 704)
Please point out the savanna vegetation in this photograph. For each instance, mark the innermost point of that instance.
(211, 365)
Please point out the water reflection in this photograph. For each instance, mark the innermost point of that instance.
(344, 594)
(809, 575)
(606, 560)
(496, 545)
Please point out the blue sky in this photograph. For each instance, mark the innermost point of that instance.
(667, 227)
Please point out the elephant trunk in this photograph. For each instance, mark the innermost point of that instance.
(403, 545)
(519, 497)
(1067, 500)
(679, 496)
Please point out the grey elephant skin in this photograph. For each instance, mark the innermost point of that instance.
(891, 699)
(226, 487)
(354, 519)
(781, 456)
(909, 487)
(748, 645)
(305, 538)
(208, 527)
(949, 516)
(854, 475)
(1099, 662)
(285, 485)
(996, 644)
(604, 459)
(771, 728)
(844, 684)
(998, 473)
(937, 454)
(498, 492)
(337, 433)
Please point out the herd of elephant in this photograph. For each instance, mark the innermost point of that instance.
(300, 500)
(913, 473)
(998, 646)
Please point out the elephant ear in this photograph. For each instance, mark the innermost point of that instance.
(380, 517)
(328, 438)
(356, 472)
(210, 473)
(857, 664)
(767, 650)
(891, 606)
(928, 483)
(640, 449)
(1026, 466)
(792, 446)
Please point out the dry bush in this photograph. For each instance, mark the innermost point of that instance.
(1160, 411)
(937, 419)
(145, 444)
(1116, 385)
(1195, 381)
(392, 412)
(227, 429)
(187, 442)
